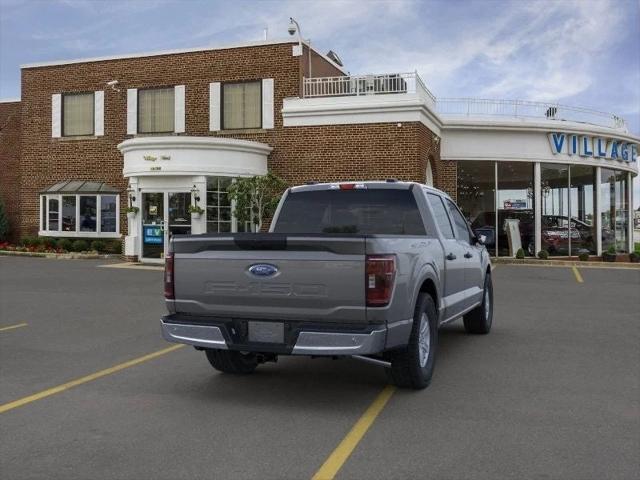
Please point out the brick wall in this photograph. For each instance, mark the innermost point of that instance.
(10, 162)
(323, 153)
(47, 160)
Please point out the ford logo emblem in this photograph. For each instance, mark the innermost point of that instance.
(263, 270)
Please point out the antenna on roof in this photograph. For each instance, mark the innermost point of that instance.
(266, 33)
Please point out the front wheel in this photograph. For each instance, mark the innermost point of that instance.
(230, 361)
(479, 319)
(412, 366)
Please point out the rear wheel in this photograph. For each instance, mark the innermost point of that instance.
(480, 318)
(231, 361)
(412, 366)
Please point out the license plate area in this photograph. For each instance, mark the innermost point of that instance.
(266, 332)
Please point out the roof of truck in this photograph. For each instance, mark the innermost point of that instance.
(383, 184)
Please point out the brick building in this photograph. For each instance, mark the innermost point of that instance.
(161, 131)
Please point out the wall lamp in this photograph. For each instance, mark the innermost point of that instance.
(196, 193)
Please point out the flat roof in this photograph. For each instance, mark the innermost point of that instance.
(9, 100)
(174, 52)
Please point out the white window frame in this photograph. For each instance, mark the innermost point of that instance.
(45, 232)
(95, 115)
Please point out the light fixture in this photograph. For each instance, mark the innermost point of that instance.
(132, 197)
(294, 27)
(196, 193)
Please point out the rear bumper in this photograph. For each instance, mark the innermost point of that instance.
(225, 336)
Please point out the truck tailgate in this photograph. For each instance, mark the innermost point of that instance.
(295, 277)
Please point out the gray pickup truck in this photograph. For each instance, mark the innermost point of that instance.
(369, 270)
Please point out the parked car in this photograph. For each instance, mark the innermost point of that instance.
(485, 224)
(369, 270)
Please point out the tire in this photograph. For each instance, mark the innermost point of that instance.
(411, 367)
(230, 361)
(479, 319)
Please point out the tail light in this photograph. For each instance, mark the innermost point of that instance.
(168, 277)
(379, 278)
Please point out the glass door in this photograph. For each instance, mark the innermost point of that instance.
(153, 226)
(179, 216)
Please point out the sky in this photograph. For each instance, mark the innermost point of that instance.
(576, 52)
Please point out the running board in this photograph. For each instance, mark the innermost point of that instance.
(373, 361)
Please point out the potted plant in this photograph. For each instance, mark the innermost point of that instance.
(635, 255)
(583, 256)
(520, 254)
(610, 255)
(132, 212)
(543, 255)
(195, 211)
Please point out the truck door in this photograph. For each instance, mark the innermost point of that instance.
(473, 276)
(454, 263)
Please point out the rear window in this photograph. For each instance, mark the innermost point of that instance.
(366, 212)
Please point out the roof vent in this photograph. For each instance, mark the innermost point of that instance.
(333, 56)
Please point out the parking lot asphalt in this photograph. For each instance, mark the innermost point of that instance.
(552, 392)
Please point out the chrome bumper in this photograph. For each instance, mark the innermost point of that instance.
(308, 343)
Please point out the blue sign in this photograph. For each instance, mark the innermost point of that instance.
(588, 146)
(153, 235)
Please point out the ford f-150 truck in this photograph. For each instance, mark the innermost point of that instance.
(369, 270)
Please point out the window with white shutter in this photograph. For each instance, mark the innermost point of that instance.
(267, 103)
(98, 123)
(132, 111)
(56, 115)
(179, 112)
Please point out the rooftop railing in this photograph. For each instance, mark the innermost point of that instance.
(357, 85)
(478, 107)
(399, 83)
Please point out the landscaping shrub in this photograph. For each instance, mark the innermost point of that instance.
(584, 256)
(79, 246)
(520, 253)
(543, 255)
(65, 244)
(29, 241)
(98, 245)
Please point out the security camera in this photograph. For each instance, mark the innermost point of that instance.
(292, 28)
(113, 84)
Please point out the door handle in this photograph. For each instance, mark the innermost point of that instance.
(451, 256)
(468, 255)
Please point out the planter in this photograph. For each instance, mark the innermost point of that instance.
(609, 257)
(634, 257)
(131, 216)
(195, 215)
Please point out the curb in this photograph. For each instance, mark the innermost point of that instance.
(62, 256)
(563, 263)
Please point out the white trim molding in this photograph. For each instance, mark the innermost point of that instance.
(214, 106)
(56, 115)
(267, 103)
(183, 155)
(132, 111)
(98, 123)
(179, 113)
(396, 108)
(179, 51)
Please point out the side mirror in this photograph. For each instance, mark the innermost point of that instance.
(480, 239)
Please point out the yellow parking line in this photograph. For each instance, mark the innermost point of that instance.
(342, 452)
(11, 327)
(577, 274)
(94, 376)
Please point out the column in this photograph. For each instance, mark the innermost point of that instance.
(537, 196)
(597, 216)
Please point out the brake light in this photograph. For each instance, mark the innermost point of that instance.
(168, 277)
(379, 278)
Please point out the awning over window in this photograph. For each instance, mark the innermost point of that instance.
(80, 187)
